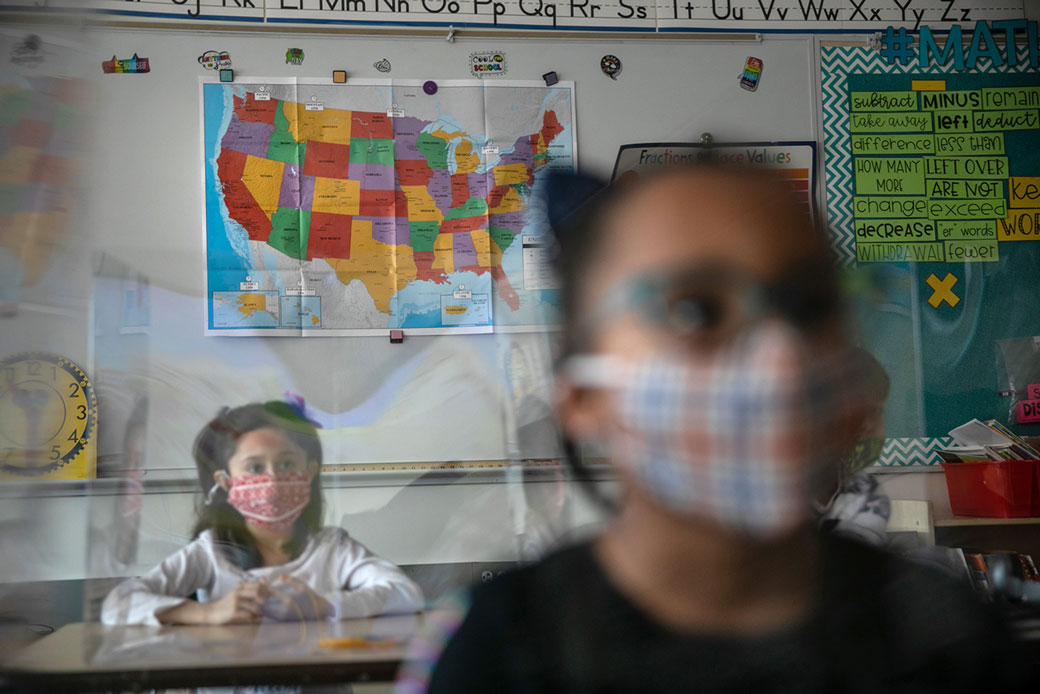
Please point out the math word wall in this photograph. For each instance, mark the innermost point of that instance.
(931, 168)
(932, 164)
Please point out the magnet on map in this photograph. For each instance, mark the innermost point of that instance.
(550, 78)
(611, 66)
(396, 336)
(430, 87)
(382, 65)
(227, 75)
(339, 76)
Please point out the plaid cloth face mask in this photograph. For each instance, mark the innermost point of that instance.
(270, 501)
(739, 438)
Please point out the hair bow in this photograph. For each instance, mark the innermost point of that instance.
(297, 405)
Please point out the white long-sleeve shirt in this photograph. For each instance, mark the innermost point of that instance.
(356, 582)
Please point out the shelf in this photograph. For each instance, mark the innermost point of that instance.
(967, 521)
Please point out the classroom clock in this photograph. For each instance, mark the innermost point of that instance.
(48, 418)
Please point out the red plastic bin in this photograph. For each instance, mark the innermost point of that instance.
(994, 489)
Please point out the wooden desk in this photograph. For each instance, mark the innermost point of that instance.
(95, 657)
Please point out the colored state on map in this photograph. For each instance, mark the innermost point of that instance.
(468, 311)
(385, 201)
(301, 312)
(249, 309)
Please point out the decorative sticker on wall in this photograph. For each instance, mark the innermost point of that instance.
(382, 65)
(611, 66)
(487, 63)
(214, 60)
(129, 66)
(752, 74)
(294, 56)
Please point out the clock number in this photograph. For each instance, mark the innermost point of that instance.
(33, 367)
(73, 437)
(82, 412)
(55, 452)
(74, 387)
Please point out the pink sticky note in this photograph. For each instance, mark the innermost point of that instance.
(1033, 391)
(1027, 411)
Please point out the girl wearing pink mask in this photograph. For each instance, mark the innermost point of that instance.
(259, 548)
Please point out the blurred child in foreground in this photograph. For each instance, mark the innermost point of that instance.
(706, 357)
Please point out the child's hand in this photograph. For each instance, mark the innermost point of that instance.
(292, 599)
(241, 606)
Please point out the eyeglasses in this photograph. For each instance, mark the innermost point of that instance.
(708, 305)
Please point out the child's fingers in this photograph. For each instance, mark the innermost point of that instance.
(252, 589)
(281, 596)
(294, 582)
(247, 601)
(241, 616)
(278, 592)
(255, 603)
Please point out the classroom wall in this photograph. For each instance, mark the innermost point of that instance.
(143, 207)
(142, 215)
(144, 203)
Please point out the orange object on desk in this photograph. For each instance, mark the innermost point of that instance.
(355, 642)
(994, 489)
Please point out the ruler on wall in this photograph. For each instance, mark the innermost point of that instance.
(423, 467)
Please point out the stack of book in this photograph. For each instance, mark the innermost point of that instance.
(977, 442)
(1009, 575)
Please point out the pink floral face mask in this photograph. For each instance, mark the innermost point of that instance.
(270, 500)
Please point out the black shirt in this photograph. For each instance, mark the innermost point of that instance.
(880, 624)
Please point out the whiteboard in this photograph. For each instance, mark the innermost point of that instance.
(431, 398)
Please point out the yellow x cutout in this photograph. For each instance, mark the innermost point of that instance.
(942, 290)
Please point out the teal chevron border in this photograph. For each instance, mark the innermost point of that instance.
(836, 63)
(911, 452)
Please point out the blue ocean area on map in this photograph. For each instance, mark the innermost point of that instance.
(220, 254)
(412, 307)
